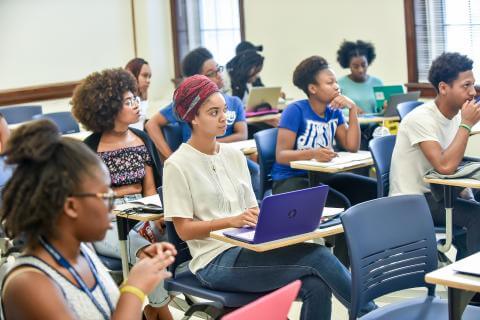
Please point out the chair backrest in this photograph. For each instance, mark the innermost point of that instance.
(6, 172)
(382, 149)
(273, 306)
(405, 107)
(183, 253)
(391, 244)
(65, 122)
(173, 135)
(266, 141)
(20, 113)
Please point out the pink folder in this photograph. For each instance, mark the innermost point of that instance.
(273, 306)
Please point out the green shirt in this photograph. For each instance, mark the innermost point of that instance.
(361, 92)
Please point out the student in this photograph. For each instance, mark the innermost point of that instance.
(142, 73)
(435, 135)
(244, 46)
(58, 198)
(200, 61)
(308, 129)
(358, 85)
(106, 105)
(216, 194)
(4, 132)
(244, 70)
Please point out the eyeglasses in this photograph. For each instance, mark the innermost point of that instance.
(130, 102)
(213, 74)
(108, 197)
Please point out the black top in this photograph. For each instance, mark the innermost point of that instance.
(93, 141)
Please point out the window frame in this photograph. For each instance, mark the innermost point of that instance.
(176, 45)
(426, 89)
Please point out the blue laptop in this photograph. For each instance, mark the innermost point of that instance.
(285, 215)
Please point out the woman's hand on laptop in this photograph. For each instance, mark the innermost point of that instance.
(248, 218)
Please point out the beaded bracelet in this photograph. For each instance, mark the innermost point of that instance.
(463, 125)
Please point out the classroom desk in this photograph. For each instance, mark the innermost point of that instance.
(319, 233)
(315, 169)
(248, 147)
(377, 119)
(461, 287)
(122, 226)
(448, 201)
(263, 118)
(77, 135)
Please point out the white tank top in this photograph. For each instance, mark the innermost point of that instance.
(77, 300)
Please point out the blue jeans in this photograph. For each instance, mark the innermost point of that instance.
(254, 170)
(242, 270)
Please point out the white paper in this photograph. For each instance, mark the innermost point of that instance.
(240, 145)
(150, 200)
(344, 159)
(330, 211)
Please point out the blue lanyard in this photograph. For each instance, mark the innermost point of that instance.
(83, 286)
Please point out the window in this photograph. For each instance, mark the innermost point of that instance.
(437, 26)
(214, 24)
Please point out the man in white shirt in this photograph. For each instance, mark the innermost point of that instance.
(435, 135)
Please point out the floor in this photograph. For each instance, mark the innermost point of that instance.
(339, 311)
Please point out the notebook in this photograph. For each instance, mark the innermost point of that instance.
(285, 215)
(150, 204)
(383, 93)
(273, 306)
(469, 265)
(343, 159)
(262, 100)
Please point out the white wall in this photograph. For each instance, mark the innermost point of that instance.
(52, 41)
(67, 39)
(154, 44)
(293, 30)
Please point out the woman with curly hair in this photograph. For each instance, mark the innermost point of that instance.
(142, 73)
(358, 85)
(105, 103)
(68, 187)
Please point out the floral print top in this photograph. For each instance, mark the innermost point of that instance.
(127, 165)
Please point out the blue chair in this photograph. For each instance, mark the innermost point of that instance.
(266, 141)
(183, 281)
(404, 108)
(391, 244)
(173, 135)
(65, 122)
(20, 114)
(382, 149)
(6, 172)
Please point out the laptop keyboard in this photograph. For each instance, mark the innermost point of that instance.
(249, 235)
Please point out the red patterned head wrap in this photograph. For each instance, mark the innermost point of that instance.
(190, 95)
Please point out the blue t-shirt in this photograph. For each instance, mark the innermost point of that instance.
(235, 113)
(312, 131)
(361, 92)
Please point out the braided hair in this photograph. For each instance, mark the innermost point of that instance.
(49, 168)
(239, 69)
